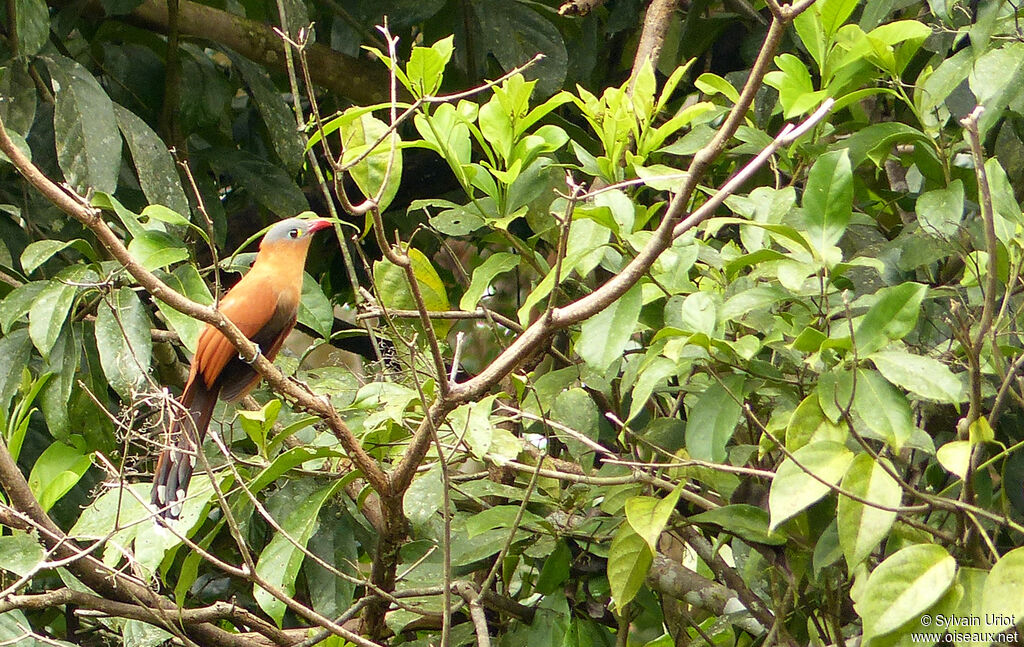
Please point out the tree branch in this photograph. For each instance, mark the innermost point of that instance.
(361, 81)
(75, 206)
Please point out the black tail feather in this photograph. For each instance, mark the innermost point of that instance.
(177, 461)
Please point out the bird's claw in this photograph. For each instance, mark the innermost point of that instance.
(259, 352)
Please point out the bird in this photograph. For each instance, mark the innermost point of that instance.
(264, 305)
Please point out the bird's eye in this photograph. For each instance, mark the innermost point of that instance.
(293, 233)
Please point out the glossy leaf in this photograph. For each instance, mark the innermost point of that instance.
(629, 560)
(56, 471)
(923, 376)
(805, 479)
(903, 586)
(862, 526)
(494, 265)
(604, 336)
(1001, 598)
(153, 162)
(892, 317)
(713, 419)
(649, 515)
(88, 142)
(280, 561)
(380, 172)
(124, 341)
(883, 409)
(828, 199)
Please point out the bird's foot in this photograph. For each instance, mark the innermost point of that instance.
(259, 351)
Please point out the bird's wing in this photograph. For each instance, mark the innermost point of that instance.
(263, 314)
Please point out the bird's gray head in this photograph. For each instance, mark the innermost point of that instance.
(294, 230)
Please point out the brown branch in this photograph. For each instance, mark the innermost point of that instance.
(534, 336)
(732, 579)
(579, 7)
(91, 217)
(215, 612)
(361, 81)
(108, 583)
(652, 38)
(676, 581)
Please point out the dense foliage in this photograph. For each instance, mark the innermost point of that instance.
(639, 363)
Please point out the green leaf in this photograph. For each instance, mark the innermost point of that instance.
(575, 408)
(796, 89)
(19, 106)
(472, 422)
(834, 13)
(941, 210)
(458, 221)
(1007, 214)
(51, 308)
(555, 569)
(809, 424)
(622, 208)
(883, 409)
(862, 526)
(277, 114)
(14, 352)
(425, 69)
(41, 251)
(892, 317)
(315, 309)
(946, 78)
(88, 142)
(18, 302)
(258, 424)
(370, 173)
(629, 561)
(995, 81)
(828, 199)
(120, 508)
(980, 431)
(649, 515)
(153, 162)
(424, 496)
(653, 375)
(793, 490)
(267, 183)
(903, 586)
(712, 84)
(22, 552)
(56, 471)
(124, 341)
(604, 336)
(699, 314)
(515, 33)
(280, 561)
(392, 284)
(494, 265)
(748, 522)
(587, 239)
(33, 24)
(713, 419)
(157, 249)
(447, 132)
(955, 456)
(923, 376)
(62, 365)
(499, 516)
(1001, 598)
(496, 127)
(335, 543)
(185, 280)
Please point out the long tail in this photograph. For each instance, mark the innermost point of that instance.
(176, 462)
